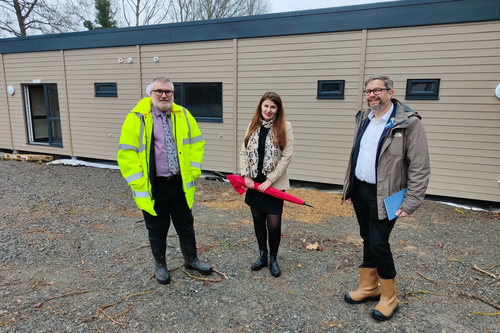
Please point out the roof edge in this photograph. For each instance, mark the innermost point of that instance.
(402, 13)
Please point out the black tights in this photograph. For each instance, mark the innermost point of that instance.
(273, 225)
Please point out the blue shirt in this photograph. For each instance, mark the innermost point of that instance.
(365, 166)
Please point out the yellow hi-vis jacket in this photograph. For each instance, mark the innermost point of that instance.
(135, 150)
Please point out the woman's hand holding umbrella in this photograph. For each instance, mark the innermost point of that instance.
(240, 184)
(264, 186)
(249, 183)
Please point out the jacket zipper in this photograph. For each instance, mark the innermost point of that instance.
(147, 157)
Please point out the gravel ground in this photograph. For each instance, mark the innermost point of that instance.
(74, 257)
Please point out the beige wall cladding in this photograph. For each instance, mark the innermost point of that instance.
(96, 121)
(23, 68)
(292, 66)
(5, 134)
(200, 62)
(463, 126)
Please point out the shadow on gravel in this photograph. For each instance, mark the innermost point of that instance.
(74, 257)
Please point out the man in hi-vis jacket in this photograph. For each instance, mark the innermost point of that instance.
(160, 155)
(389, 155)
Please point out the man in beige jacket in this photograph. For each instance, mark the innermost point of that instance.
(389, 154)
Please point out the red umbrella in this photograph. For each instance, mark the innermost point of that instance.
(238, 183)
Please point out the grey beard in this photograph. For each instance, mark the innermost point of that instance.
(379, 107)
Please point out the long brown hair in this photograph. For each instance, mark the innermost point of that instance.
(279, 125)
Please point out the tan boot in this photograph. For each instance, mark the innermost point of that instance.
(368, 287)
(388, 304)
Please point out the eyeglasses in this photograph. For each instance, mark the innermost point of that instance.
(376, 91)
(159, 93)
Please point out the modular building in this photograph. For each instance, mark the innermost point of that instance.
(68, 94)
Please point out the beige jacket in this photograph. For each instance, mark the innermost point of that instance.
(403, 161)
(279, 176)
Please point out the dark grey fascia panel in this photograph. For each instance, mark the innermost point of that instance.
(86, 39)
(116, 37)
(402, 13)
(276, 26)
(441, 13)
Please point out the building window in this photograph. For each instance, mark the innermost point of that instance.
(105, 90)
(203, 100)
(331, 89)
(422, 89)
(43, 122)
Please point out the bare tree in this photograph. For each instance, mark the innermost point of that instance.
(184, 10)
(145, 12)
(27, 17)
(190, 10)
(212, 9)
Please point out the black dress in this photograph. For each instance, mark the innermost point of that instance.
(258, 200)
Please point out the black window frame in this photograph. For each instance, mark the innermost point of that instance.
(50, 119)
(106, 93)
(422, 95)
(180, 99)
(331, 94)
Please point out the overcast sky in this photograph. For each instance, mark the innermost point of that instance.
(292, 5)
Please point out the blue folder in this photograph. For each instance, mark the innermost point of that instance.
(393, 203)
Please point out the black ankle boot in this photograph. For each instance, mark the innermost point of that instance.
(273, 267)
(199, 267)
(188, 249)
(161, 272)
(261, 262)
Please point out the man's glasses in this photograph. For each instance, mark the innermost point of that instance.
(376, 91)
(159, 93)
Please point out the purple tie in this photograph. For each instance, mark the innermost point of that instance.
(173, 162)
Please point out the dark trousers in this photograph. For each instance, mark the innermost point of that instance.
(170, 203)
(374, 232)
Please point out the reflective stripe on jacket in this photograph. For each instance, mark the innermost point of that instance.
(135, 149)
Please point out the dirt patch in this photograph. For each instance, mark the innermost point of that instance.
(325, 204)
(74, 257)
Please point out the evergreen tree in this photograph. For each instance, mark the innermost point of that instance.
(104, 17)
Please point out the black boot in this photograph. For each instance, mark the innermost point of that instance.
(261, 262)
(274, 268)
(188, 248)
(158, 248)
(161, 272)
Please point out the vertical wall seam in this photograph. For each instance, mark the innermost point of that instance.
(65, 83)
(4, 75)
(235, 105)
(139, 70)
(361, 76)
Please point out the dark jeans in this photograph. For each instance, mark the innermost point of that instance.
(374, 232)
(170, 203)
